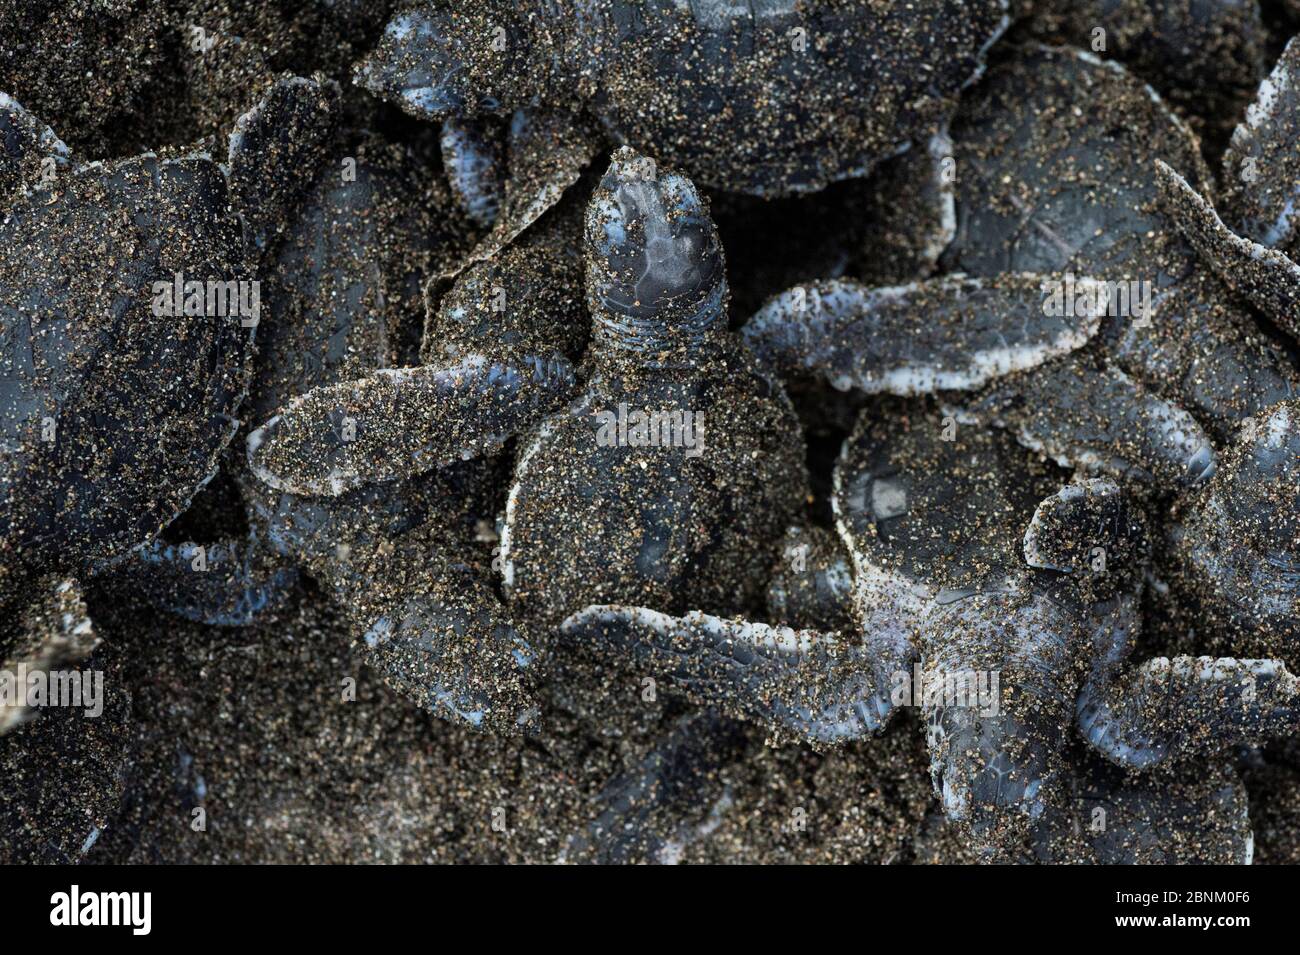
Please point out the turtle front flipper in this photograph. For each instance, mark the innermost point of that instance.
(497, 356)
(646, 813)
(400, 422)
(1092, 415)
(1265, 277)
(955, 332)
(813, 686)
(276, 150)
(1261, 167)
(1165, 708)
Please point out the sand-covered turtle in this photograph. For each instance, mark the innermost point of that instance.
(1003, 657)
(345, 289)
(1061, 180)
(656, 289)
(1254, 252)
(770, 98)
(128, 305)
(1204, 56)
(631, 489)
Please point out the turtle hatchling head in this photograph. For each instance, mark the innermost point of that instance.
(655, 270)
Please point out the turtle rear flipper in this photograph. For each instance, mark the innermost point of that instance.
(644, 814)
(971, 331)
(437, 633)
(473, 157)
(1185, 815)
(997, 683)
(1093, 530)
(1265, 277)
(812, 583)
(812, 686)
(1238, 545)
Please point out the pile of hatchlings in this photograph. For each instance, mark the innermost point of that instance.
(640, 431)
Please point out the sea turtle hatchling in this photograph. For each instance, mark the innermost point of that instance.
(1063, 180)
(344, 289)
(932, 528)
(770, 98)
(93, 351)
(603, 505)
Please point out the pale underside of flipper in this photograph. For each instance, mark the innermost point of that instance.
(1265, 277)
(955, 332)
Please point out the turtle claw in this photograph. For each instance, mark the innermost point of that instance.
(1267, 278)
(800, 683)
(975, 330)
(400, 422)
